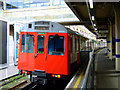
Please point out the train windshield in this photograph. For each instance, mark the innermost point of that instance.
(40, 44)
(56, 45)
(27, 44)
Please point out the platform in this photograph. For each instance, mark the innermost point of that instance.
(106, 76)
(77, 80)
(9, 69)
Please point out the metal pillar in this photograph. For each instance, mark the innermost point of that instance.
(87, 43)
(117, 34)
(90, 45)
(108, 44)
(4, 5)
(110, 38)
(51, 1)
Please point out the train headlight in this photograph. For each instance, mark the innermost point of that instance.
(53, 75)
(23, 72)
(28, 73)
(59, 76)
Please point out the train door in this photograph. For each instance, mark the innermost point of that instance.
(40, 52)
(27, 51)
(57, 53)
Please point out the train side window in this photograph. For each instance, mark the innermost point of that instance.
(56, 45)
(40, 44)
(27, 44)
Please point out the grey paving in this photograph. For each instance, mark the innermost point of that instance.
(103, 62)
(106, 77)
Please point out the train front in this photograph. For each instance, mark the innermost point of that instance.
(44, 50)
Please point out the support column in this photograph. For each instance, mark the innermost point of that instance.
(117, 34)
(90, 45)
(110, 44)
(87, 43)
(113, 43)
(4, 5)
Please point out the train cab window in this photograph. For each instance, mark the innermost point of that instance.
(56, 45)
(40, 44)
(27, 44)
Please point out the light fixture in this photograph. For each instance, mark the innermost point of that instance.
(94, 24)
(93, 18)
(91, 4)
(95, 29)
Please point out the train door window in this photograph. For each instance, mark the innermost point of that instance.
(40, 44)
(27, 44)
(56, 45)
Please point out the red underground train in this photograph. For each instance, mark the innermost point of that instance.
(48, 50)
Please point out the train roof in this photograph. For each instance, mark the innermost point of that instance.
(46, 26)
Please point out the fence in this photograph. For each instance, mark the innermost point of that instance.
(88, 82)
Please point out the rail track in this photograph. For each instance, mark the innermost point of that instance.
(14, 82)
(30, 86)
(11, 80)
(18, 85)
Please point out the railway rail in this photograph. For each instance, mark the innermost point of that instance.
(10, 80)
(14, 82)
(30, 86)
(18, 85)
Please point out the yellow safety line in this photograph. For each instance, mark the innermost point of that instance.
(78, 81)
